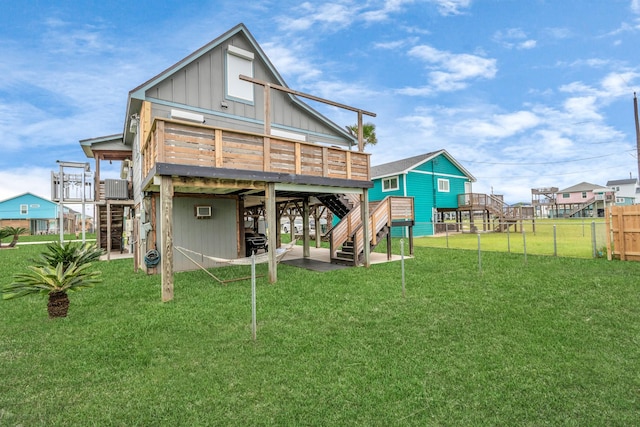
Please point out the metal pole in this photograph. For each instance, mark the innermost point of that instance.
(524, 242)
(479, 256)
(509, 239)
(61, 205)
(446, 232)
(402, 265)
(593, 239)
(84, 173)
(555, 242)
(253, 296)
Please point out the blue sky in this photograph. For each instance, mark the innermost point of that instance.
(524, 94)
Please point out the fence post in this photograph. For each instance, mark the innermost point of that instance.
(509, 240)
(253, 297)
(446, 233)
(524, 242)
(555, 242)
(593, 239)
(402, 264)
(479, 256)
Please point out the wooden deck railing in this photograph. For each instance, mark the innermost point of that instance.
(173, 141)
(385, 212)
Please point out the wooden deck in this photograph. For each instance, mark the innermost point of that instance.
(188, 144)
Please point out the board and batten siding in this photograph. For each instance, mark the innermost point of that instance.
(201, 85)
(216, 236)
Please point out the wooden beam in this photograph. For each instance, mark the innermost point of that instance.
(305, 228)
(364, 212)
(166, 228)
(304, 95)
(270, 205)
(267, 129)
(109, 230)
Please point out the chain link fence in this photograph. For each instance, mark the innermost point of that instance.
(580, 238)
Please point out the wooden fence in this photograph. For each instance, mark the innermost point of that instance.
(623, 232)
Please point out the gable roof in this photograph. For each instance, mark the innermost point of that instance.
(137, 95)
(622, 182)
(403, 166)
(103, 143)
(27, 194)
(583, 186)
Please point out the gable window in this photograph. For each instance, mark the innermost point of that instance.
(24, 209)
(239, 61)
(443, 185)
(390, 184)
(584, 194)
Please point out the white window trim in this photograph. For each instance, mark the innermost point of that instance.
(24, 209)
(391, 188)
(441, 185)
(239, 61)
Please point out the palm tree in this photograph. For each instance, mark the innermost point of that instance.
(64, 268)
(368, 133)
(11, 231)
(69, 253)
(54, 282)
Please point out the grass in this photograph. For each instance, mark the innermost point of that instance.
(550, 342)
(573, 238)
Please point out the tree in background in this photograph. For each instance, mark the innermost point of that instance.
(368, 133)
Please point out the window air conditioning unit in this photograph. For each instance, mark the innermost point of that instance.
(203, 212)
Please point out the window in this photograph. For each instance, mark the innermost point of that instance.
(443, 185)
(566, 195)
(584, 194)
(24, 209)
(239, 61)
(390, 184)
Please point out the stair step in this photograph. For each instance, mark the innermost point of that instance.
(345, 255)
(341, 260)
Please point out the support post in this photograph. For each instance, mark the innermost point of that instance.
(306, 253)
(166, 228)
(364, 211)
(270, 206)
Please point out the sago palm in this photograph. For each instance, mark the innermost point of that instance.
(54, 282)
(12, 231)
(69, 253)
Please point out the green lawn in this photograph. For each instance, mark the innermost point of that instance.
(573, 238)
(553, 341)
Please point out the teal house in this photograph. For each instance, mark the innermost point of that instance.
(35, 213)
(434, 180)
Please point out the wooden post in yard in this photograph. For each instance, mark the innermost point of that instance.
(270, 206)
(306, 241)
(364, 212)
(166, 228)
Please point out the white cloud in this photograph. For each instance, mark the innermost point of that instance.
(527, 44)
(514, 38)
(452, 7)
(396, 44)
(635, 6)
(36, 180)
(450, 71)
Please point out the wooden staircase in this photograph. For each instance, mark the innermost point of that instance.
(587, 203)
(117, 227)
(347, 237)
(339, 204)
(504, 216)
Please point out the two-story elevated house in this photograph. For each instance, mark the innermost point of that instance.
(216, 138)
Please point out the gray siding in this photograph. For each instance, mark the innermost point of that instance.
(201, 84)
(215, 237)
